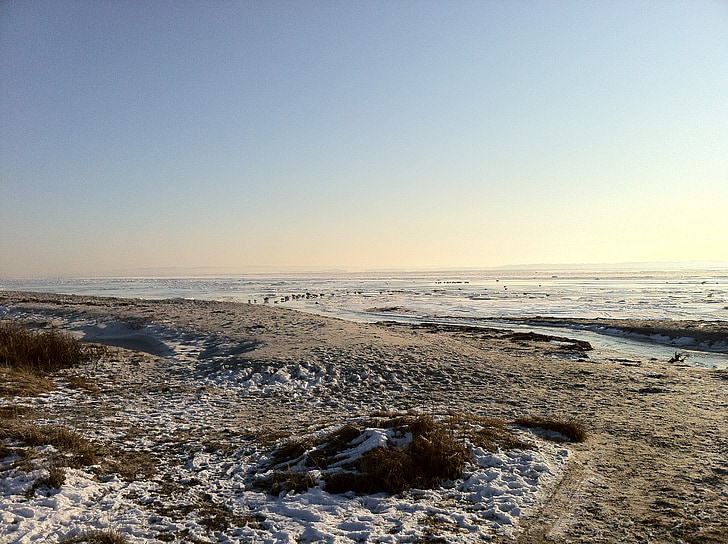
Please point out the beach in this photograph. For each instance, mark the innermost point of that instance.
(196, 395)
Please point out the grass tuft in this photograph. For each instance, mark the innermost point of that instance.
(291, 480)
(432, 455)
(421, 451)
(291, 451)
(56, 477)
(335, 443)
(494, 434)
(83, 453)
(12, 411)
(108, 536)
(436, 451)
(43, 351)
(571, 429)
(55, 480)
(23, 382)
(81, 382)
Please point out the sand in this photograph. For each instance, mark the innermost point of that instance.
(654, 467)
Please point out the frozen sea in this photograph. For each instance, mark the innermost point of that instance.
(493, 297)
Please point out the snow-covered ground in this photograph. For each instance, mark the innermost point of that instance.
(182, 410)
(498, 489)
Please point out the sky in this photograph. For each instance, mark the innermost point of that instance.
(360, 135)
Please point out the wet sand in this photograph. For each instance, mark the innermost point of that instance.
(653, 469)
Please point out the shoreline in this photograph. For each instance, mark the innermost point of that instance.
(699, 335)
(652, 468)
(705, 335)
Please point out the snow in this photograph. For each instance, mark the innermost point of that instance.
(124, 335)
(82, 504)
(497, 491)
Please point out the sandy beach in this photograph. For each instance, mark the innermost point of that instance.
(653, 468)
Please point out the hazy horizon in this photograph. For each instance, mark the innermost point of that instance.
(360, 136)
(270, 271)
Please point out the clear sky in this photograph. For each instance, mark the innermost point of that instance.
(360, 135)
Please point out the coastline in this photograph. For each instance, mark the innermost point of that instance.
(652, 469)
(702, 335)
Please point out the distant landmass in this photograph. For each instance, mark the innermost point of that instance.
(173, 271)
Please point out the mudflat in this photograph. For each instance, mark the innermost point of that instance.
(654, 466)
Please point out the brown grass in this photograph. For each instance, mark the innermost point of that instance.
(44, 350)
(81, 382)
(216, 517)
(129, 465)
(108, 536)
(571, 429)
(82, 452)
(436, 452)
(489, 433)
(55, 479)
(4, 451)
(333, 445)
(380, 469)
(291, 451)
(23, 382)
(11, 411)
(291, 480)
(270, 437)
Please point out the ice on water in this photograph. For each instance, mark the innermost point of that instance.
(460, 296)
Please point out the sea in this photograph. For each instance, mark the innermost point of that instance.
(500, 298)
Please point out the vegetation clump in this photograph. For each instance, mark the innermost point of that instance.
(74, 450)
(432, 455)
(493, 434)
(42, 351)
(571, 429)
(22, 382)
(108, 536)
(419, 451)
(54, 480)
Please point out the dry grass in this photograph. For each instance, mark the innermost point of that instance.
(435, 526)
(55, 479)
(216, 517)
(571, 429)
(333, 445)
(434, 454)
(290, 480)
(43, 351)
(270, 437)
(27, 356)
(81, 382)
(489, 433)
(437, 451)
(11, 411)
(23, 382)
(381, 469)
(108, 536)
(75, 450)
(4, 451)
(291, 451)
(129, 465)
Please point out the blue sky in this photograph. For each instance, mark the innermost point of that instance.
(360, 134)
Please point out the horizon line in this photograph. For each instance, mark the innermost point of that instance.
(196, 271)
